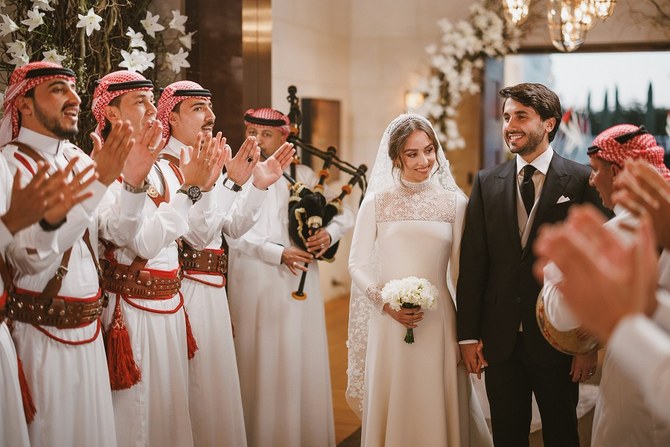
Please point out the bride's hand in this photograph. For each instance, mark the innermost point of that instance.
(407, 317)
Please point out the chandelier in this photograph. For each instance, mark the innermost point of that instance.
(568, 20)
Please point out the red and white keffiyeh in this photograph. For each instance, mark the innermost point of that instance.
(172, 95)
(22, 80)
(112, 85)
(269, 118)
(626, 141)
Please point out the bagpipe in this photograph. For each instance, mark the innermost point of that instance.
(308, 209)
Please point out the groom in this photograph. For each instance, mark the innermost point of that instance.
(497, 290)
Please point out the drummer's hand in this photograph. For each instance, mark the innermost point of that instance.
(319, 242)
(584, 366)
(295, 259)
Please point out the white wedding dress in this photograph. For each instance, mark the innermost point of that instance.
(413, 394)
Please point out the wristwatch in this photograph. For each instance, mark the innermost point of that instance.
(136, 189)
(193, 192)
(228, 183)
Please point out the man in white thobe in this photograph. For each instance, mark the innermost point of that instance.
(281, 344)
(622, 416)
(148, 337)
(56, 299)
(185, 110)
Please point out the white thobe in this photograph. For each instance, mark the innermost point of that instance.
(154, 412)
(66, 369)
(281, 344)
(214, 387)
(641, 347)
(623, 415)
(13, 430)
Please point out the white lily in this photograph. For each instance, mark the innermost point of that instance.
(187, 40)
(136, 60)
(151, 25)
(7, 26)
(16, 47)
(177, 61)
(53, 56)
(43, 5)
(90, 21)
(19, 59)
(178, 21)
(35, 19)
(136, 39)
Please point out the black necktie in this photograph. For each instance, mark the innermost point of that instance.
(528, 187)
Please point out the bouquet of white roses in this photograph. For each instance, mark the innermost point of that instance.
(410, 293)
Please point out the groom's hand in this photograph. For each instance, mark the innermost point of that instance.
(473, 357)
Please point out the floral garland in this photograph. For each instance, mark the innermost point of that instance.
(457, 61)
(93, 38)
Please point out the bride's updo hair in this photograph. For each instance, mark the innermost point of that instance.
(400, 134)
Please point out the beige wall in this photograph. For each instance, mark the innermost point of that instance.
(368, 53)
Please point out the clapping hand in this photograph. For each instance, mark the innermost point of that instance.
(204, 165)
(48, 197)
(110, 157)
(225, 153)
(146, 149)
(267, 172)
(73, 193)
(241, 166)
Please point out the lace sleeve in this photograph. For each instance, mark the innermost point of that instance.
(374, 294)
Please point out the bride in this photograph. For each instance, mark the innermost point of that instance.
(409, 224)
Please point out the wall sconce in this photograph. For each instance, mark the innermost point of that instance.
(413, 100)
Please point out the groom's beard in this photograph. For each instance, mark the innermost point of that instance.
(533, 140)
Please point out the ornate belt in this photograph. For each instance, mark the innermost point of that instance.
(63, 312)
(207, 261)
(144, 283)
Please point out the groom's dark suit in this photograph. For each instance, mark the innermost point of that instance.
(497, 293)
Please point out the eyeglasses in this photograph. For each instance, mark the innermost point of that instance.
(621, 139)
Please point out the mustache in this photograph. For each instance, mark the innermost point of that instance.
(208, 124)
(71, 105)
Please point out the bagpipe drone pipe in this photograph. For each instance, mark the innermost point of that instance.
(308, 209)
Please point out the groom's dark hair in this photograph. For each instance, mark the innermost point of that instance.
(537, 97)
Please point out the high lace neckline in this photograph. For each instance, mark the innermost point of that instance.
(415, 186)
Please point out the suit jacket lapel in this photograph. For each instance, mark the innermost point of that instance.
(554, 185)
